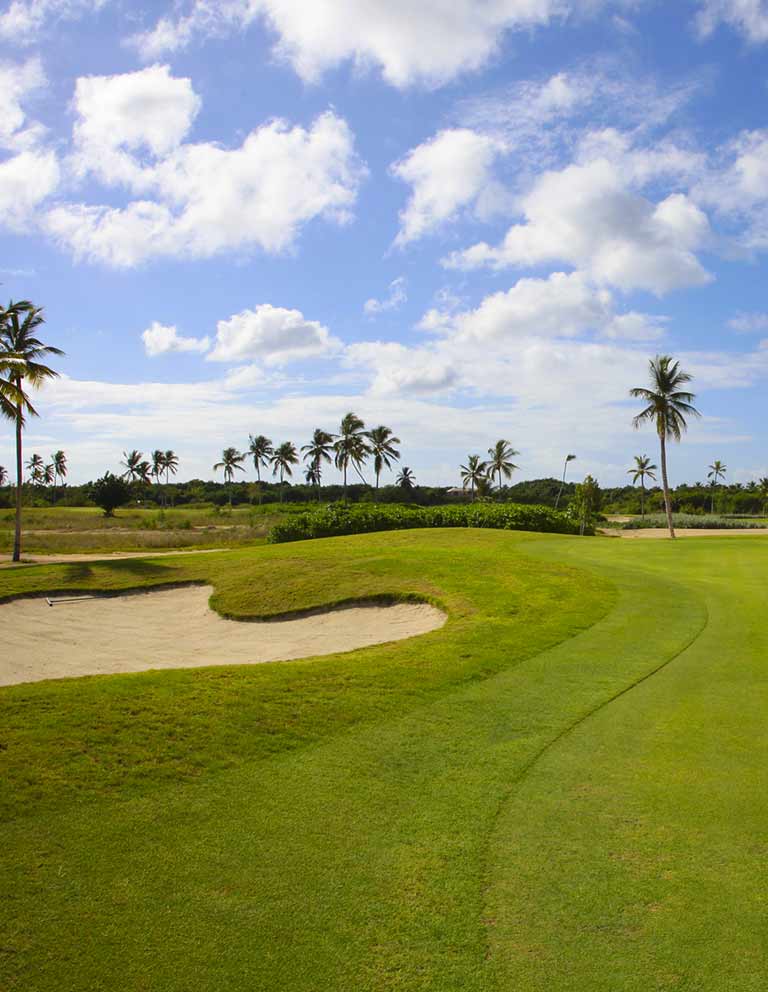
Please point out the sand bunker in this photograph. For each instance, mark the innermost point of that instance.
(175, 628)
(661, 532)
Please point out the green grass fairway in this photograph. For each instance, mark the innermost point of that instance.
(564, 788)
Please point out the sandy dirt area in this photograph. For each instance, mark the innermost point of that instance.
(5, 559)
(175, 628)
(650, 532)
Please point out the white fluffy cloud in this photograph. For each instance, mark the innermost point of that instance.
(750, 17)
(587, 216)
(749, 323)
(22, 21)
(272, 335)
(409, 43)
(397, 369)
(148, 111)
(26, 180)
(159, 339)
(201, 199)
(17, 82)
(394, 299)
(448, 173)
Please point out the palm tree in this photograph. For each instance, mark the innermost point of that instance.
(642, 470)
(763, 484)
(158, 467)
(312, 478)
(20, 351)
(48, 474)
(716, 472)
(143, 473)
(382, 447)
(350, 447)
(501, 464)
(260, 449)
(316, 452)
(59, 460)
(171, 460)
(35, 468)
(3, 475)
(283, 457)
(473, 473)
(668, 406)
(568, 458)
(131, 462)
(405, 479)
(231, 461)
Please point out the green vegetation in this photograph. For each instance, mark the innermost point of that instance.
(695, 521)
(559, 790)
(337, 520)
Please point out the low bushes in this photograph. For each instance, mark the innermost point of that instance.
(339, 519)
(693, 520)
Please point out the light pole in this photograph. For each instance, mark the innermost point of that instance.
(568, 458)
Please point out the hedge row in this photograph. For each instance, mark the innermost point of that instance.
(334, 521)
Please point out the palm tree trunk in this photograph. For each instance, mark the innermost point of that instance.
(712, 503)
(376, 494)
(642, 498)
(665, 484)
(562, 484)
(19, 472)
(345, 482)
(53, 497)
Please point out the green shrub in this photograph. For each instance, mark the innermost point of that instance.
(340, 519)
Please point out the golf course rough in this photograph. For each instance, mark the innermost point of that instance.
(563, 788)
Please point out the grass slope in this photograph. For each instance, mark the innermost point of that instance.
(484, 807)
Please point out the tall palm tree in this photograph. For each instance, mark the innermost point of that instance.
(48, 474)
(171, 460)
(3, 475)
(260, 449)
(406, 478)
(231, 462)
(157, 468)
(20, 355)
(763, 486)
(312, 478)
(667, 407)
(131, 462)
(59, 460)
(568, 458)
(351, 446)
(382, 443)
(35, 468)
(716, 472)
(473, 473)
(283, 457)
(501, 464)
(642, 470)
(316, 452)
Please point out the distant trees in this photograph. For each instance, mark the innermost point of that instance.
(642, 470)
(405, 479)
(585, 503)
(284, 457)
(350, 447)
(716, 472)
(667, 407)
(319, 450)
(381, 443)
(500, 464)
(60, 469)
(568, 458)
(473, 473)
(231, 462)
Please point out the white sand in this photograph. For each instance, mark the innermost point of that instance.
(175, 628)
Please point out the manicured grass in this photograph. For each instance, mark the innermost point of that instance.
(561, 789)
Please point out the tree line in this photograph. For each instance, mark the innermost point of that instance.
(23, 356)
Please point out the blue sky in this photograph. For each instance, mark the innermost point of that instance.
(466, 219)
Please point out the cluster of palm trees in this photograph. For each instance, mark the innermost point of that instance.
(479, 475)
(351, 447)
(22, 369)
(42, 473)
(141, 470)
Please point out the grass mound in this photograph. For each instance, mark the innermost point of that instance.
(338, 520)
